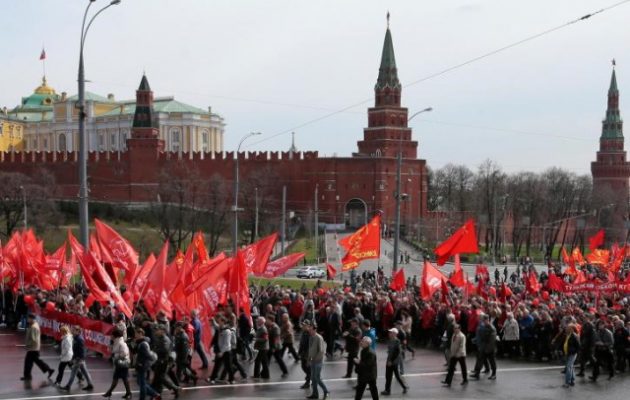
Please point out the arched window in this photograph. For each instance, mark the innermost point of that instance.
(378, 152)
(61, 142)
(204, 141)
(175, 140)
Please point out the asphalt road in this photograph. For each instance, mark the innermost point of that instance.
(516, 380)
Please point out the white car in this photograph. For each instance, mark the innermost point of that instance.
(310, 273)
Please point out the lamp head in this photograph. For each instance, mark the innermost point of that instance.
(114, 2)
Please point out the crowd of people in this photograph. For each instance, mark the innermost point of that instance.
(312, 325)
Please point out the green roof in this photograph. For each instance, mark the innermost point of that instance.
(164, 105)
(388, 73)
(37, 100)
(89, 96)
(613, 83)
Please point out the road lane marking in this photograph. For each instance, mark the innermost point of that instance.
(252, 384)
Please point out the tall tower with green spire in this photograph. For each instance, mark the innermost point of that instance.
(387, 132)
(611, 170)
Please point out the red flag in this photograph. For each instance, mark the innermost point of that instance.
(117, 248)
(205, 276)
(398, 282)
(256, 256)
(282, 265)
(458, 279)
(140, 279)
(42, 55)
(596, 240)
(154, 295)
(200, 245)
(431, 281)
(444, 290)
(364, 244)
(464, 240)
(599, 257)
(620, 256)
(532, 284)
(330, 272)
(238, 286)
(86, 262)
(576, 254)
(482, 273)
(481, 288)
(579, 277)
(555, 283)
(110, 287)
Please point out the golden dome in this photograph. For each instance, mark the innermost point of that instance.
(44, 88)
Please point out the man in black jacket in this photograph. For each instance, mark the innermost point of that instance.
(394, 351)
(587, 343)
(353, 337)
(78, 360)
(366, 370)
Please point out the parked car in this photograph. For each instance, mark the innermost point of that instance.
(311, 272)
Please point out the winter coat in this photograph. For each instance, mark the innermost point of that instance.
(66, 348)
(510, 330)
(458, 345)
(367, 369)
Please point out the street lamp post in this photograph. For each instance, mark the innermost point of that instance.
(496, 227)
(399, 195)
(25, 209)
(83, 188)
(235, 207)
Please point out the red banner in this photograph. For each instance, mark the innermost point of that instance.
(597, 287)
(96, 333)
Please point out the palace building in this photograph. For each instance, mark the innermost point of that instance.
(47, 121)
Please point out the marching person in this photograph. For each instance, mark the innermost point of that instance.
(196, 323)
(603, 351)
(163, 348)
(486, 341)
(275, 343)
(571, 348)
(366, 370)
(182, 355)
(145, 358)
(457, 354)
(261, 344)
(79, 353)
(122, 362)
(66, 353)
(33, 344)
(303, 352)
(394, 350)
(316, 351)
(286, 331)
(353, 338)
(224, 355)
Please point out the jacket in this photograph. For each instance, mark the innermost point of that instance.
(78, 348)
(604, 340)
(393, 351)
(510, 330)
(182, 346)
(316, 349)
(143, 354)
(262, 339)
(573, 345)
(367, 369)
(66, 348)
(162, 346)
(120, 350)
(458, 345)
(225, 340)
(486, 338)
(33, 337)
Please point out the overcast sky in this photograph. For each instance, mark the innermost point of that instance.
(274, 65)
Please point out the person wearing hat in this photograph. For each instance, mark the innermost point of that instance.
(33, 344)
(457, 354)
(353, 337)
(367, 371)
(394, 351)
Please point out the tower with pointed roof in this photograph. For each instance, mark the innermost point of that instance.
(387, 132)
(611, 170)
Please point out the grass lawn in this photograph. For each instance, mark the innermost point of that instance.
(305, 245)
(293, 283)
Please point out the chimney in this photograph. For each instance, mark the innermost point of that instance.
(209, 110)
(64, 96)
(110, 97)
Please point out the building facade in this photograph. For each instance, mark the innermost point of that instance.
(349, 189)
(611, 170)
(49, 123)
